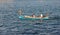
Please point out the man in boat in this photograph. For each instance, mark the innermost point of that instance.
(41, 16)
(33, 15)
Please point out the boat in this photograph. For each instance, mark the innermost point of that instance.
(32, 17)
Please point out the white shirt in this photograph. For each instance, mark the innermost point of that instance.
(41, 15)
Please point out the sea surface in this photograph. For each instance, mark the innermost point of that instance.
(10, 24)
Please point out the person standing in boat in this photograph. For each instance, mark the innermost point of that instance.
(20, 12)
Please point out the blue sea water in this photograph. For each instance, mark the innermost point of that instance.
(10, 24)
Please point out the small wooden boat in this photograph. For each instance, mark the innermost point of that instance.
(33, 18)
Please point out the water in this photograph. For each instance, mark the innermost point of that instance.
(10, 24)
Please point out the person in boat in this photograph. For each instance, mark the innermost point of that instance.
(41, 16)
(33, 15)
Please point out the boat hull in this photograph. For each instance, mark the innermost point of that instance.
(23, 17)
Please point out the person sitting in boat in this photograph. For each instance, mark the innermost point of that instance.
(41, 16)
(33, 16)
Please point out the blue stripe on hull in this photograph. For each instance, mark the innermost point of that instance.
(22, 17)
